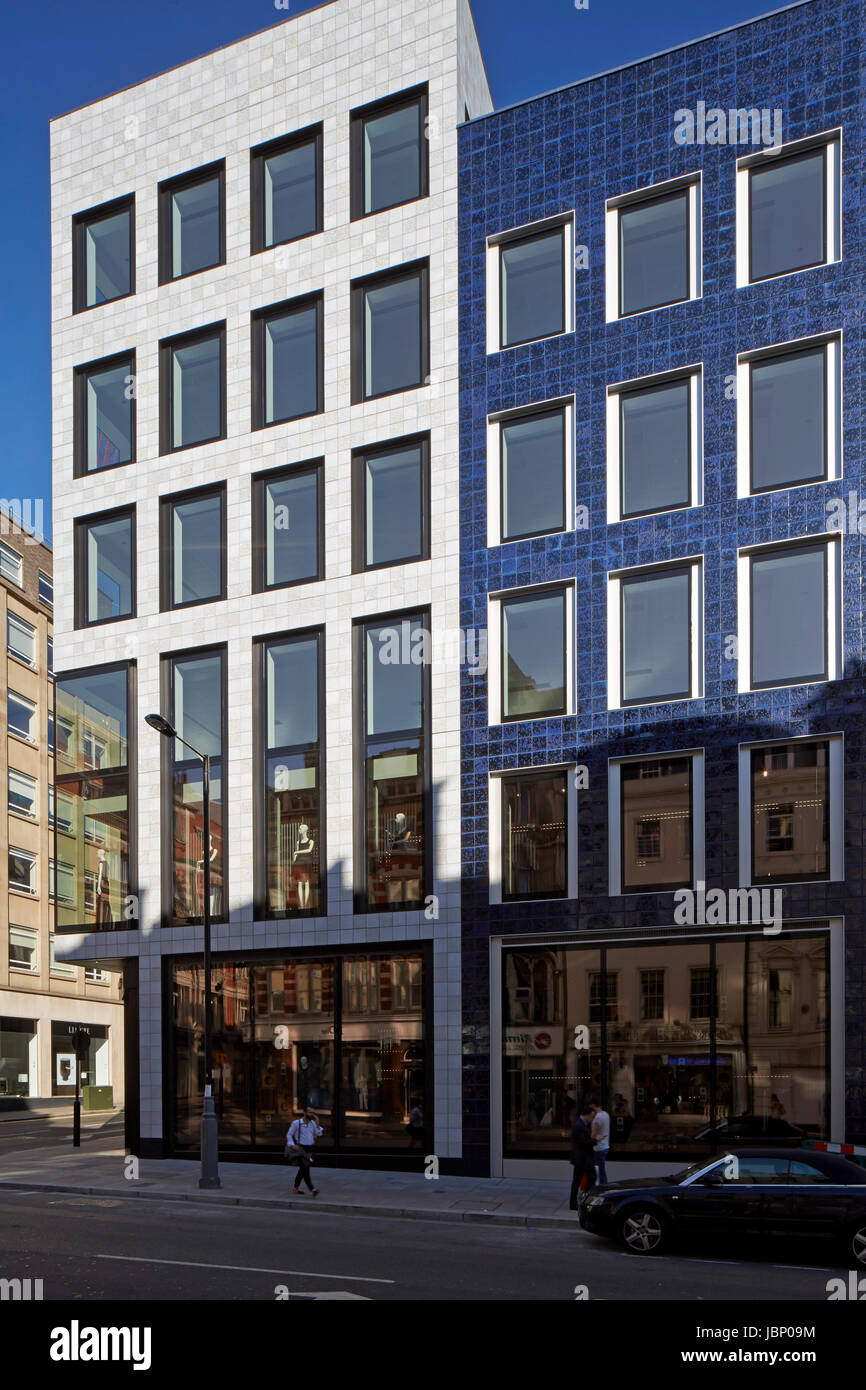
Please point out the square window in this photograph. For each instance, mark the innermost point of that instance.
(788, 418)
(657, 460)
(389, 153)
(192, 389)
(11, 564)
(656, 824)
(657, 641)
(22, 794)
(286, 189)
(23, 950)
(534, 836)
(390, 333)
(533, 453)
(104, 404)
(533, 656)
(789, 617)
(103, 254)
(21, 717)
(790, 812)
(787, 214)
(191, 223)
(20, 639)
(391, 504)
(23, 871)
(287, 361)
(288, 540)
(193, 540)
(105, 568)
(532, 287)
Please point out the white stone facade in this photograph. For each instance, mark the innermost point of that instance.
(316, 67)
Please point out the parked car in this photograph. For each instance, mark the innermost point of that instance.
(754, 1192)
(750, 1127)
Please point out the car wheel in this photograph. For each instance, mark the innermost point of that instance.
(856, 1246)
(643, 1230)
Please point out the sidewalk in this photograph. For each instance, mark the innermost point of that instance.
(359, 1192)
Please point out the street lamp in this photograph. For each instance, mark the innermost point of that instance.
(209, 1140)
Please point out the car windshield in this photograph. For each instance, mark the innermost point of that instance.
(690, 1172)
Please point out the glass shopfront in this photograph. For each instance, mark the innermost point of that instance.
(17, 1056)
(344, 1034)
(93, 1056)
(691, 1044)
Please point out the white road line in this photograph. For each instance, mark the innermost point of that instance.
(246, 1269)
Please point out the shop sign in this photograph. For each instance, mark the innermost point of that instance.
(533, 1042)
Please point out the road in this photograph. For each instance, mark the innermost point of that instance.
(90, 1248)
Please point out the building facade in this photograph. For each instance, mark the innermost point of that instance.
(256, 512)
(44, 1001)
(661, 467)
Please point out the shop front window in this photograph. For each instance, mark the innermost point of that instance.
(83, 1047)
(17, 1057)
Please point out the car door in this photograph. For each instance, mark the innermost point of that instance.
(749, 1199)
(819, 1207)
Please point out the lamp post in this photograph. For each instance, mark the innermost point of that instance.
(209, 1139)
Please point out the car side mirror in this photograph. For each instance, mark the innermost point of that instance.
(712, 1180)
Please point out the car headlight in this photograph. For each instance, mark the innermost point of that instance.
(593, 1202)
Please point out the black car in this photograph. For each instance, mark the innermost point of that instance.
(760, 1192)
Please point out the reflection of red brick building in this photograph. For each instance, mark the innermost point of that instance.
(188, 853)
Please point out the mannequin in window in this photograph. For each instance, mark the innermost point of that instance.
(103, 893)
(302, 863)
(215, 887)
(405, 881)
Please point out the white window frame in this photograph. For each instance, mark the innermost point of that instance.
(10, 558)
(494, 648)
(836, 798)
(693, 182)
(614, 629)
(832, 139)
(94, 976)
(22, 700)
(833, 386)
(12, 772)
(33, 890)
(495, 859)
(835, 635)
(31, 943)
(11, 620)
(494, 246)
(494, 464)
(694, 374)
(48, 582)
(614, 803)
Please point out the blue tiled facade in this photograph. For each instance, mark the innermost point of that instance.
(567, 153)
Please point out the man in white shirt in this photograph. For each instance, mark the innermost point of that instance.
(300, 1138)
(600, 1136)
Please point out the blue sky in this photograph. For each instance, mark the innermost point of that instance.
(59, 54)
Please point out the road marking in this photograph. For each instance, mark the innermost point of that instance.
(247, 1269)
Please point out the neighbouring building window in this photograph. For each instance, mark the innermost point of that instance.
(23, 951)
(389, 153)
(286, 177)
(23, 871)
(22, 793)
(46, 589)
(652, 994)
(11, 564)
(21, 716)
(103, 254)
(20, 639)
(17, 1056)
(191, 223)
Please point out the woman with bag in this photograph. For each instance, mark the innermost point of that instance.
(300, 1138)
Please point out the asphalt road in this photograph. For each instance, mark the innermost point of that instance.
(88, 1248)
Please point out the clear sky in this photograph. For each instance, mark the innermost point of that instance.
(59, 54)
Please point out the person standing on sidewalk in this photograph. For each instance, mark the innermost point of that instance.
(600, 1136)
(300, 1138)
(581, 1155)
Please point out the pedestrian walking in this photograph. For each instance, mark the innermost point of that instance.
(581, 1156)
(600, 1136)
(300, 1138)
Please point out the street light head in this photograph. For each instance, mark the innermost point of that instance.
(162, 726)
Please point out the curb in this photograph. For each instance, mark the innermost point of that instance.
(480, 1217)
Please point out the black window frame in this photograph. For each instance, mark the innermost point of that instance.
(800, 350)
(259, 320)
(261, 910)
(80, 223)
(518, 596)
(165, 191)
(684, 191)
(684, 380)
(761, 167)
(167, 662)
(532, 774)
(359, 288)
(167, 505)
(259, 154)
(514, 418)
(361, 741)
(167, 349)
(524, 237)
(82, 526)
(81, 375)
(359, 500)
(358, 119)
(656, 887)
(260, 481)
(770, 552)
(131, 770)
(755, 749)
(640, 576)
